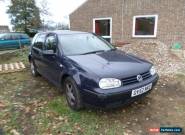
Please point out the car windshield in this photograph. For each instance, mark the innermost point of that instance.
(81, 44)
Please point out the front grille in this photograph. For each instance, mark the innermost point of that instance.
(133, 79)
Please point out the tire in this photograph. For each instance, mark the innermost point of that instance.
(72, 93)
(34, 71)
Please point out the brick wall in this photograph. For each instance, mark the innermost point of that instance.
(171, 23)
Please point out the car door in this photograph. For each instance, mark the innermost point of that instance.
(37, 52)
(52, 61)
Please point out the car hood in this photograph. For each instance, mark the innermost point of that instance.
(115, 64)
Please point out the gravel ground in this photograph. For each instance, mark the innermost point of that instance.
(159, 54)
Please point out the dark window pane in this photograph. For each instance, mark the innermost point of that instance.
(145, 26)
(24, 36)
(8, 37)
(15, 37)
(102, 27)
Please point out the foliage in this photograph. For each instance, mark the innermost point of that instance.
(51, 25)
(25, 15)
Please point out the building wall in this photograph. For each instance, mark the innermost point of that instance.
(171, 23)
(82, 18)
(4, 29)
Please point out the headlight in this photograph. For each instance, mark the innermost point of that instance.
(108, 83)
(152, 71)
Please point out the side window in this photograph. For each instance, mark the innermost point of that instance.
(39, 42)
(15, 37)
(7, 37)
(51, 43)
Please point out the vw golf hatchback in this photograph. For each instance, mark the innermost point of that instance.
(90, 70)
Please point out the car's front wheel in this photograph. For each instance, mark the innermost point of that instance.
(72, 94)
(34, 72)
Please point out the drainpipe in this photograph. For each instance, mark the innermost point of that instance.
(122, 16)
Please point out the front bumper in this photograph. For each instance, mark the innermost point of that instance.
(116, 97)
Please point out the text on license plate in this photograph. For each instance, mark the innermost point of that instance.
(142, 90)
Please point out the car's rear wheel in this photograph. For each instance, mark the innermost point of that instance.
(34, 71)
(72, 93)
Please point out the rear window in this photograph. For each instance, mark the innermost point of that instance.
(2, 36)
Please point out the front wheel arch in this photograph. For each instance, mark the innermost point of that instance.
(75, 77)
(78, 103)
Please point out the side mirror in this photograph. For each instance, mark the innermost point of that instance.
(48, 52)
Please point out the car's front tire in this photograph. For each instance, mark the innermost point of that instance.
(34, 71)
(72, 93)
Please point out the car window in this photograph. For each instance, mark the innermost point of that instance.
(8, 37)
(15, 37)
(51, 43)
(39, 42)
(34, 39)
(2, 36)
(76, 44)
(24, 36)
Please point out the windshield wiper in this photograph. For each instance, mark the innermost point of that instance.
(93, 52)
(113, 49)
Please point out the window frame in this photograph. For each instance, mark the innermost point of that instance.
(145, 36)
(105, 18)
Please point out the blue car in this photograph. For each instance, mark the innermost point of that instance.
(90, 70)
(14, 40)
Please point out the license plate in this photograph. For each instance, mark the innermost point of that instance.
(142, 90)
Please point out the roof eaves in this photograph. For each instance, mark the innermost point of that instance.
(78, 7)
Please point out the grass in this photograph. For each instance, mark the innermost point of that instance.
(17, 55)
(59, 106)
(49, 113)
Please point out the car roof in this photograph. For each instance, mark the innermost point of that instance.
(17, 33)
(65, 32)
